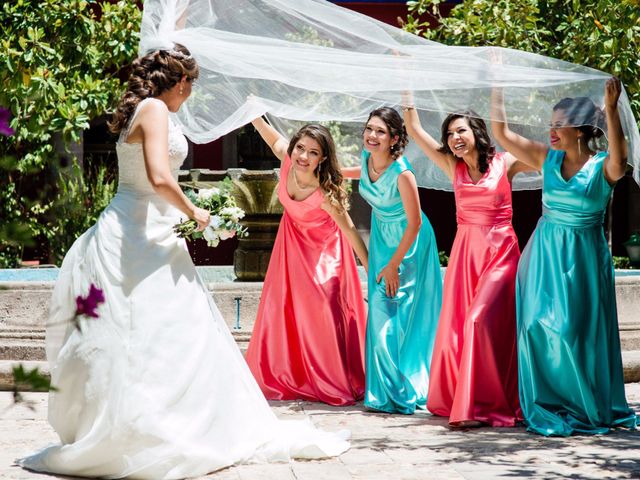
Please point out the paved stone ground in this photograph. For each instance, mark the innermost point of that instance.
(397, 447)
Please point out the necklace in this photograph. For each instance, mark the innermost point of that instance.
(295, 181)
(378, 172)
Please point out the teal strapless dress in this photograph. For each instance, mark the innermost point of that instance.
(400, 330)
(570, 366)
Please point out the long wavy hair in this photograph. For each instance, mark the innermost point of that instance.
(395, 124)
(584, 115)
(152, 75)
(328, 170)
(486, 149)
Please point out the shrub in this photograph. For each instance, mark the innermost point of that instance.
(602, 34)
(60, 69)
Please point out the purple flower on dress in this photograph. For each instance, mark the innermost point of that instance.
(5, 129)
(88, 305)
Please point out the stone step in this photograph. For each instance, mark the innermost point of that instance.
(629, 337)
(630, 361)
(29, 344)
(631, 365)
(21, 333)
(25, 344)
(6, 371)
(22, 349)
(7, 364)
(25, 305)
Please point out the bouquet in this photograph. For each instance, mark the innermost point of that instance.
(225, 215)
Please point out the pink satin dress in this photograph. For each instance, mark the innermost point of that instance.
(474, 368)
(308, 338)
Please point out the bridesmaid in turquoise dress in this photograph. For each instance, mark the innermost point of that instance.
(570, 366)
(404, 282)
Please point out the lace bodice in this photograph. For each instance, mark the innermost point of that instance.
(132, 174)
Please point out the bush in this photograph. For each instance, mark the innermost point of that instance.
(602, 34)
(621, 262)
(60, 69)
(75, 208)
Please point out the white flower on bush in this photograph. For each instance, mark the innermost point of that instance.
(207, 193)
(226, 234)
(211, 236)
(234, 213)
(225, 215)
(215, 222)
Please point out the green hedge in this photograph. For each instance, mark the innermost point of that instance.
(602, 34)
(60, 65)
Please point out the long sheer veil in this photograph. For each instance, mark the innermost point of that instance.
(313, 61)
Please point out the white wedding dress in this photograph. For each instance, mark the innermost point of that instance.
(155, 388)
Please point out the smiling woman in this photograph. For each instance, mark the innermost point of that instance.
(308, 338)
(566, 346)
(478, 313)
(404, 281)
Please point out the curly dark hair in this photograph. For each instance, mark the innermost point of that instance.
(486, 149)
(328, 170)
(152, 75)
(584, 115)
(395, 124)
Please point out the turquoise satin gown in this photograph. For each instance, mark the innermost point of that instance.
(570, 366)
(400, 330)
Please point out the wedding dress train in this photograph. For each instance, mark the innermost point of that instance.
(155, 387)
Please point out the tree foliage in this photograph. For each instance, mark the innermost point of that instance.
(59, 69)
(602, 34)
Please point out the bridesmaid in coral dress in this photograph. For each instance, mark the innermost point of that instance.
(308, 339)
(474, 370)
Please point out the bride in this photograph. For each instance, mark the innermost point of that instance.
(155, 388)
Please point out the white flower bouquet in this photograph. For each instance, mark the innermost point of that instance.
(225, 215)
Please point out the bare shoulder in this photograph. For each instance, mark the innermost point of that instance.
(407, 178)
(328, 207)
(154, 107)
(153, 114)
(508, 157)
(351, 172)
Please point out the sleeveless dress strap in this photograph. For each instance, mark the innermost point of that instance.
(124, 134)
(403, 165)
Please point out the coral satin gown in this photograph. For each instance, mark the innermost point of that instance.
(308, 339)
(474, 366)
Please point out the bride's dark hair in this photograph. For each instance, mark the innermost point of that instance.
(151, 75)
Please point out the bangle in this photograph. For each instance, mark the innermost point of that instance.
(406, 108)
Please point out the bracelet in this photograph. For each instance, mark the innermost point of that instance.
(406, 108)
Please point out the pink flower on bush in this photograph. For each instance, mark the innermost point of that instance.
(5, 129)
(89, 305)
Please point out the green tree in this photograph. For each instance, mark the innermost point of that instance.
(60, 69)
(602, 34)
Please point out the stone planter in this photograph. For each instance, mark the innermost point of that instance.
(633, 251)
(251, 258)
(255, 192)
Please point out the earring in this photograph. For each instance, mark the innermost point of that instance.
(181, 90)
(579, 148)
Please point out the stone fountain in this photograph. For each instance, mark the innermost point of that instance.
(255, 192)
